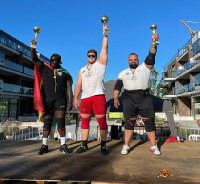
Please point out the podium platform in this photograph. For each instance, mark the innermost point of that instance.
(19, 162)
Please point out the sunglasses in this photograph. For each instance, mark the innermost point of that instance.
(91, 55)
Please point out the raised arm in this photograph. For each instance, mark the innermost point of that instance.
(69, 95)
(104, 51)
(39, 64)
(77, 90)
(150, 59)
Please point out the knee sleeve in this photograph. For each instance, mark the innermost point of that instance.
(85, 123)
(61, 123)
(130, 124)
(149, 125)
(102, 123)
(47, 124)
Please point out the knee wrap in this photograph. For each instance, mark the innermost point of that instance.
(85, 123)
(149, 125)
(61, 123)
(130, 124)
(102, 123)
(47, 124)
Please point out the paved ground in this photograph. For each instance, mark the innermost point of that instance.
(18, 160)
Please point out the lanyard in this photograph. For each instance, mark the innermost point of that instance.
(54, 72)
(89, 67)
(132, 70)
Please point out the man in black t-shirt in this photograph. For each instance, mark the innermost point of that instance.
(51, 98)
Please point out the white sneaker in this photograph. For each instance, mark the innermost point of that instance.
(125, 149)
(154, 149)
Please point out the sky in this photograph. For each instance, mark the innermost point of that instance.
(72, 27)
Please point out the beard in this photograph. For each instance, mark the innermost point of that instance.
(133, 66)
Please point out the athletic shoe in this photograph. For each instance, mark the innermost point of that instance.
(64, 149)
(104, 150)
(125, 149)
(82, 149)
(154, 149)
(43, 150)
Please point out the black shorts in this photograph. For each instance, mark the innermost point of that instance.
(55, 105)
(138, 106)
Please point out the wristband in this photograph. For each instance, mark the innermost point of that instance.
(105, 32)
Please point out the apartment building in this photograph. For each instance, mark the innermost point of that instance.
(16, 77)
(181, 77)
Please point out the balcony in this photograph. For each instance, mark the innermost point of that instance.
(170, 94)
(190, 66)
(168, 76)
(17, 89)
(189, 89)
(15, 69)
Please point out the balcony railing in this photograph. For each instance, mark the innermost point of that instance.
(188, 87)
(186, 67)
(19, 47)
(197, 79)
(168, 74)
(172, 59)
(194, 41)
(28, 71)
(184, 48)
(17, 89)
(196, 47)
(13, 66)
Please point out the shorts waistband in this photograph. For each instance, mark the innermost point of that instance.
(136, 93)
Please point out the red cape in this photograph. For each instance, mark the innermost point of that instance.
(38, 102)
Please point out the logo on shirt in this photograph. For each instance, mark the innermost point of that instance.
(127, 73)
(59, 73)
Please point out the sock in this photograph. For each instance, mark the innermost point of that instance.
(103, 143)
(62, 140)
(84, 143)
(45, 141)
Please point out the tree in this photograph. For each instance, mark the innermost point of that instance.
(153, 81)
(155, 88)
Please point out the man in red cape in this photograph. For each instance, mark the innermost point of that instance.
(52, 83)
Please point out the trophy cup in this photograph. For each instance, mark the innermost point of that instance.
(37, 30)
(153, 28)
(104, 20)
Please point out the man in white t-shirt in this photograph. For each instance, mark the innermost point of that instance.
(91, 82)
(137, 100)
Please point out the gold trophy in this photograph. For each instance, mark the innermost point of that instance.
(153, 28)
(104, 20)
(37, 30)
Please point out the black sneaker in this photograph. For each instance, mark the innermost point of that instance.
(82, 149)
(104, 150)
(64, 149)
(43, 150)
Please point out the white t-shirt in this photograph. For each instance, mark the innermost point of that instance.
(137, 80)
(93, 80)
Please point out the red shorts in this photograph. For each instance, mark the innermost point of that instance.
(94, 103)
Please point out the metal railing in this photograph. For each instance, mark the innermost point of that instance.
(35, 133)
(17, 89)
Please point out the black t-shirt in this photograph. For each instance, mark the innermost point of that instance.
(54, 87)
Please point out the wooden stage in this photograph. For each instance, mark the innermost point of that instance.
(19, 162)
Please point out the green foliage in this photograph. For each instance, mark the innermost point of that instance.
(153, 81)
(155, 88)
